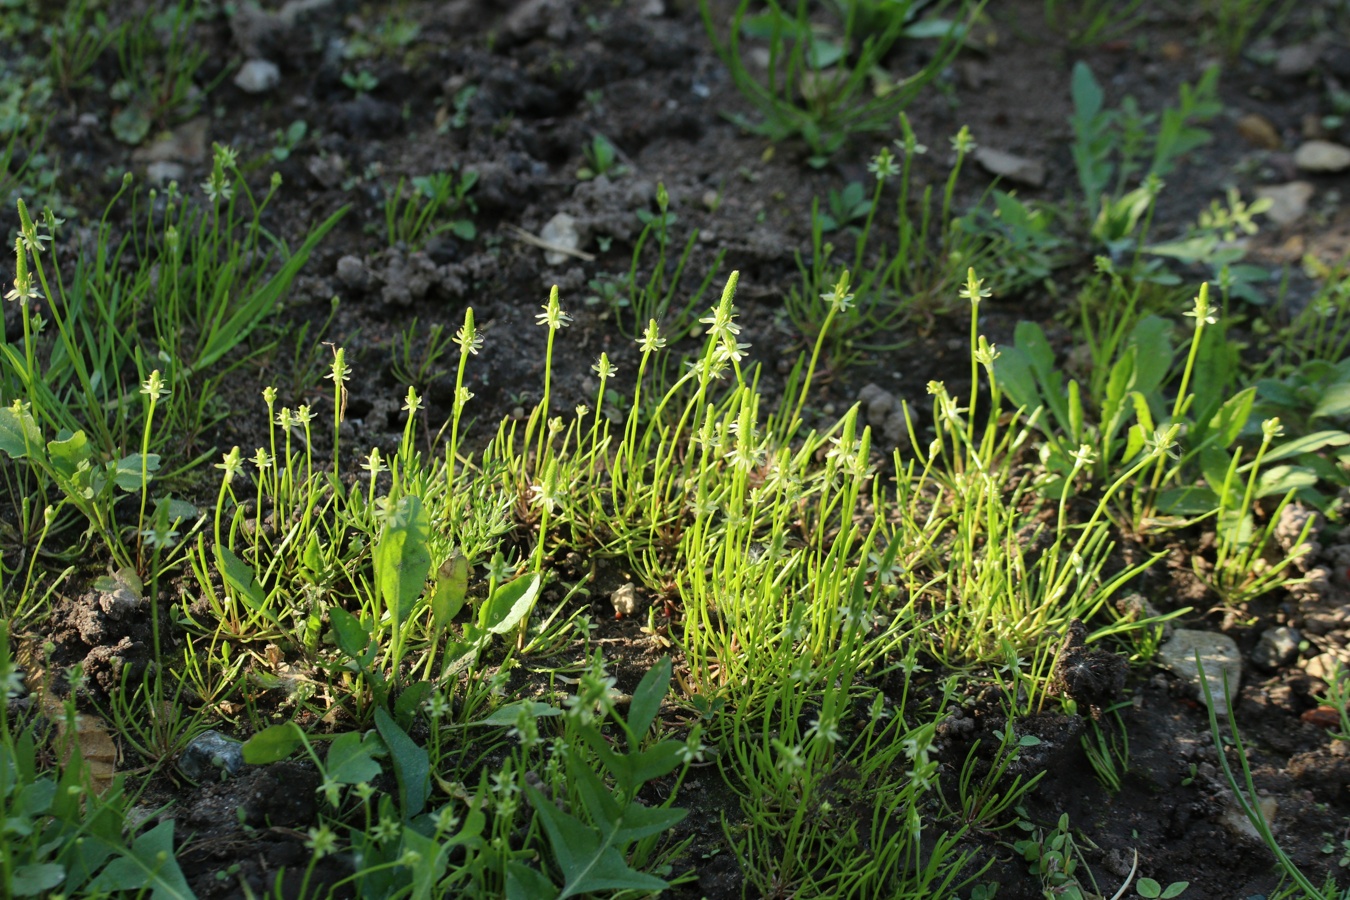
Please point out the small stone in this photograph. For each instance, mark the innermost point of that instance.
(1276, 648)
(1323, 666)
(211, 756)
(162, 172)
(1288, 201)
(1011, 166)
(1322, 156)
(626, 601)
(352, 274)
(1219, 656)
(328, 170)
(1259, 131)
(257, 76)
(1294, 518)
(119, 602)
(185, 144)
(885, 414)
(1295, 60)
(561, 232)
(1236, 821)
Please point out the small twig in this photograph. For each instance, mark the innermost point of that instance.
(526, 238)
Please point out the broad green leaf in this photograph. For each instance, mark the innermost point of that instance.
(626, 824)
(66, 455)
(351, 760)
(273, 743)
(1013, 372)
(174, 510)
(1309, 443)
(1188, 501)
(452, 583)
(460, 655)
(1232, 416)
(1335, 401)
(647, 697)
(431, 860)
(933, 28)
(507, 715)
(1087, 93)
(510, 604)
(1282, 479)
(34, 878)
(1154, 356)
(352, 637)
(412, 767)
(149, 863)
(239, 577)
(402, 560)
(127, 473)
(588, 861)
(409, 701)
(312, 556)
(18, 433)
(655, 762)
(524, 883)
(1216, 465)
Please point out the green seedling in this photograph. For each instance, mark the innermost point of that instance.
(845, 207)
(416, 365)
(362, 81)
(916, 275)
(824, 87)
(601, 159)
(423, 214)
(65, 834)
(1245, 793)
(1088, 22)
(1232, 23)
(76, 42)
(159, 60)
(287, 139)
(1113, 148)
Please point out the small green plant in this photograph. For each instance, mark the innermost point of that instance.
(1231, 23)
(362, 81)
(75, 44)
(427, 211)
(845, 207)
(1245, 794)
(1088, 22)
(390, 34)
(62, 834)
(287, 139)
(460, 103)
(159, 61)
(918, 274)
(824, 87)
(71, 391)
(418, 353)
(602, 158)
(1114, 148)
(1108, 749)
